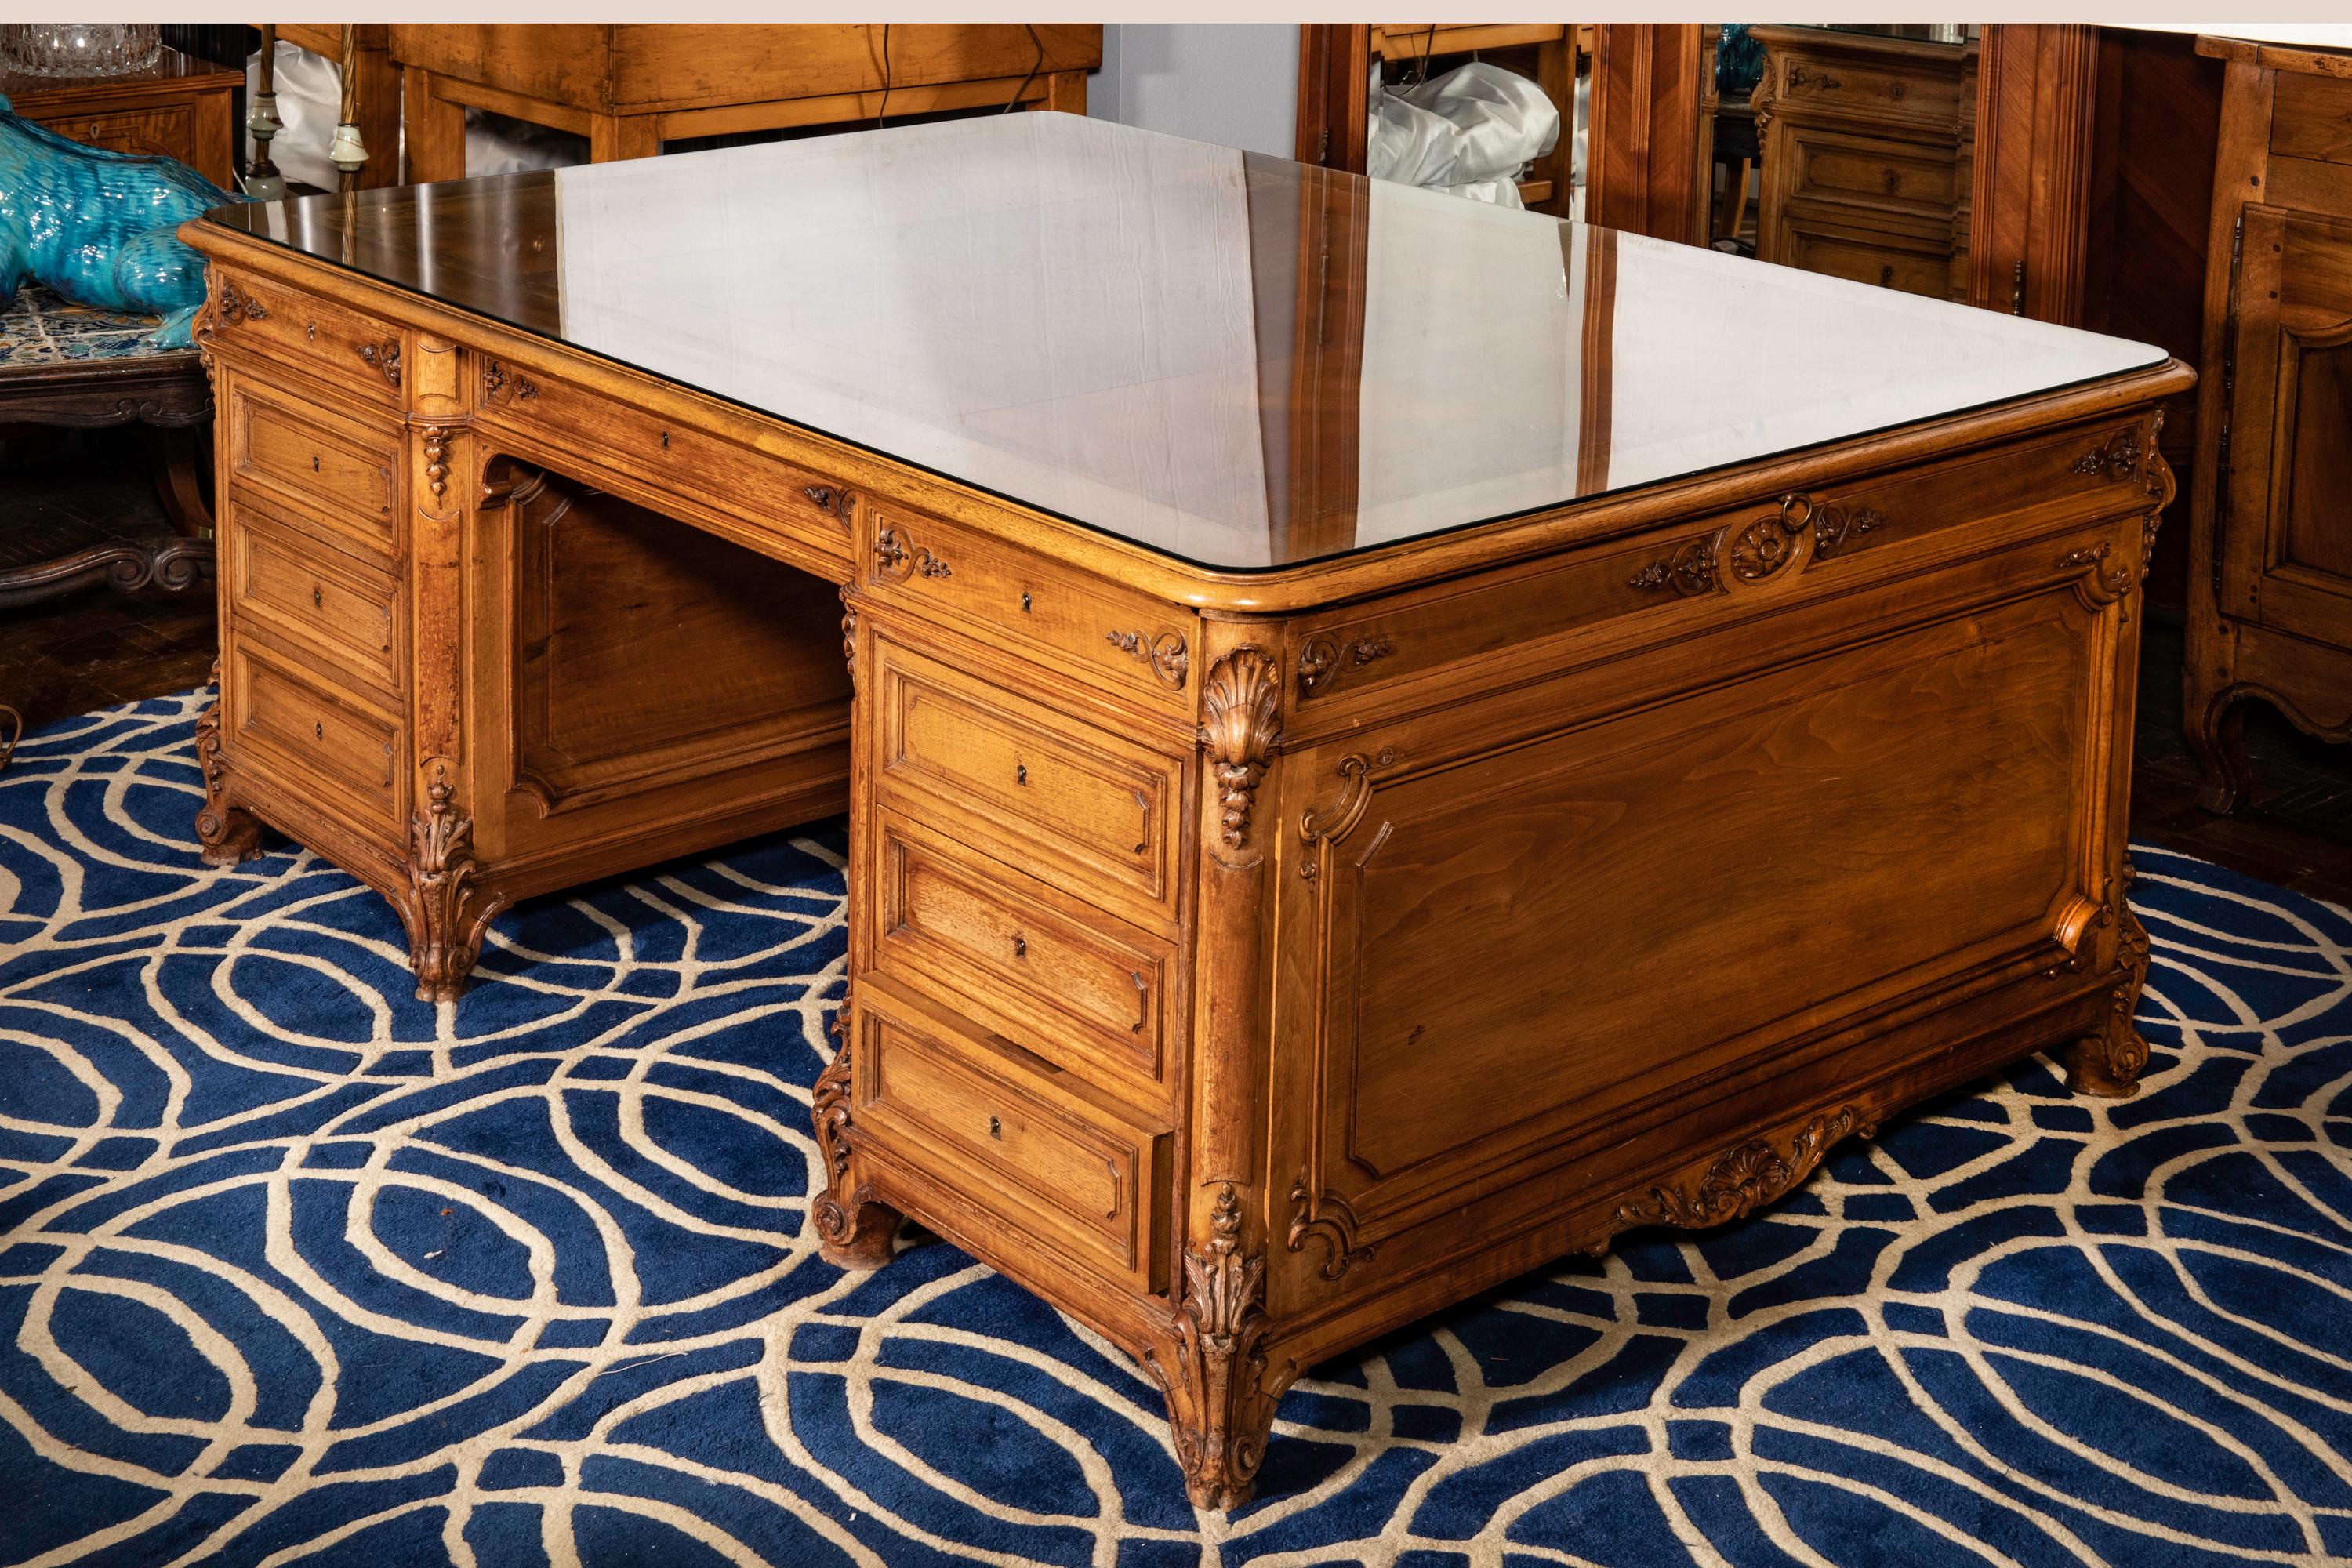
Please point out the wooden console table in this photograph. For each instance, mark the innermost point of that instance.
(629, 87)
(1288, 895)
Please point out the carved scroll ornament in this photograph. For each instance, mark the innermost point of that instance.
(1164, 653)
(1331, 1222)
(1318, 828)
(1745, 1178)
(1744, 555)
(1325, 657)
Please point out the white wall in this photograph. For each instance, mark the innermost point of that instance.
(1233, 83)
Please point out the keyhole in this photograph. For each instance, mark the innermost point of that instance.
(665, 440)
(1020, 947)
(318, 599)
(1885, 274)
(1024, 603)
(318, 730)
(314, 462)
(311, 331)
(995, 1128)
(1020, 773)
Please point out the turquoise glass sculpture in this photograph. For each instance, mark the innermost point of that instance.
(97, 226)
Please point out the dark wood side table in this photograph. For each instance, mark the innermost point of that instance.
(182, 108)
(65, 365)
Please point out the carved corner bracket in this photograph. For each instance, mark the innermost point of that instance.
(1330, 1221)
(1214, 1371)
(1743, 1178)
(1241, 721)
(1321, 828)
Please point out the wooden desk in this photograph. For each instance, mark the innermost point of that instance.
(629, 87)
(180, 107)
(1285, 898)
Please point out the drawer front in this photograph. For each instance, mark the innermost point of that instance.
(1026, 783)
(166, 131)
(1122, 641)
(357, 355)
(1079, 1180)
(1413, 648)
(312, 595)
(1899, 176)
(1085, 991)
(1870, 92)
(817, 512)
(346, 755)
(328, 468)
(2311, 117)
(1878, 260)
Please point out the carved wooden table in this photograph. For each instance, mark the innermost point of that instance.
(1374, 763)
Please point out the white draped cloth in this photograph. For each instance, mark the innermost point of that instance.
(1468, 132)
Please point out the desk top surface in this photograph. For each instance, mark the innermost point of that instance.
(1238, 361)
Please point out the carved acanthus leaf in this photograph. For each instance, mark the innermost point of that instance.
(1215, 1383)
(1241, 721)
(1325, 657)
(2117, 456)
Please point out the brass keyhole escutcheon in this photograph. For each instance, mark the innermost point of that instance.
(1020, 773)
(318, 729)
(995, 1128)
(1020, 947)
(665, 440)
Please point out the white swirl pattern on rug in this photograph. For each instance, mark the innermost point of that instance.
(294, 1269)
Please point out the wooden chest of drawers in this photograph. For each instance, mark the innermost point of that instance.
(178, 108)
(1863, 140)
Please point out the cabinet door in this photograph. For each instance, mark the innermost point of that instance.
(2287, 551)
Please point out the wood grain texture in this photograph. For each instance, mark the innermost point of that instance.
(1246, 964)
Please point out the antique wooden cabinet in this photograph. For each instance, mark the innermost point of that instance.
(180, 107)
(2270, 606)
(1284, 896)
(1864, 140)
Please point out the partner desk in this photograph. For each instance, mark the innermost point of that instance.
(1392, 740)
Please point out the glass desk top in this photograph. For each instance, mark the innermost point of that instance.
(1237, 360)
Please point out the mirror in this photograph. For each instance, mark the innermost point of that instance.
(1842, 149)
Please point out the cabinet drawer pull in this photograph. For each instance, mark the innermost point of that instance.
(1142, 1002)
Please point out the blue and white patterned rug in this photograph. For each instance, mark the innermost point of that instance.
(295, 1269)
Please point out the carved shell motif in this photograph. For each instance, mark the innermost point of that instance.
(1241, 719)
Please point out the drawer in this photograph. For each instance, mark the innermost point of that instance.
(1028, 784)
(1899, 176)
(344, 754)
(358, 355)
(167, 131)
(1869, 91)
(1124, 641)
(2311, 117)
(819, 511)
(1080, 1180)
(313, 595)
(1360, 661)
(326, 465)
(1887, 260)
(1084, 991)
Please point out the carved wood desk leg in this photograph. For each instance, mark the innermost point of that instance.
(445, 912)
(228, 834)
(1212, 1364)
(2106, 1064)
(852, 1232)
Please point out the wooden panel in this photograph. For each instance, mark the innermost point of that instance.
(348, 755)
(313, 595)
(1130, 643)
(646, 655)
(1786, 805)
(675, 65)
(1081, 990)
(1644, 128)
(1821, 244)
(2030, 213)
(1077, 1180)
(332, 468)
(2311, 117)
(1021, 781)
